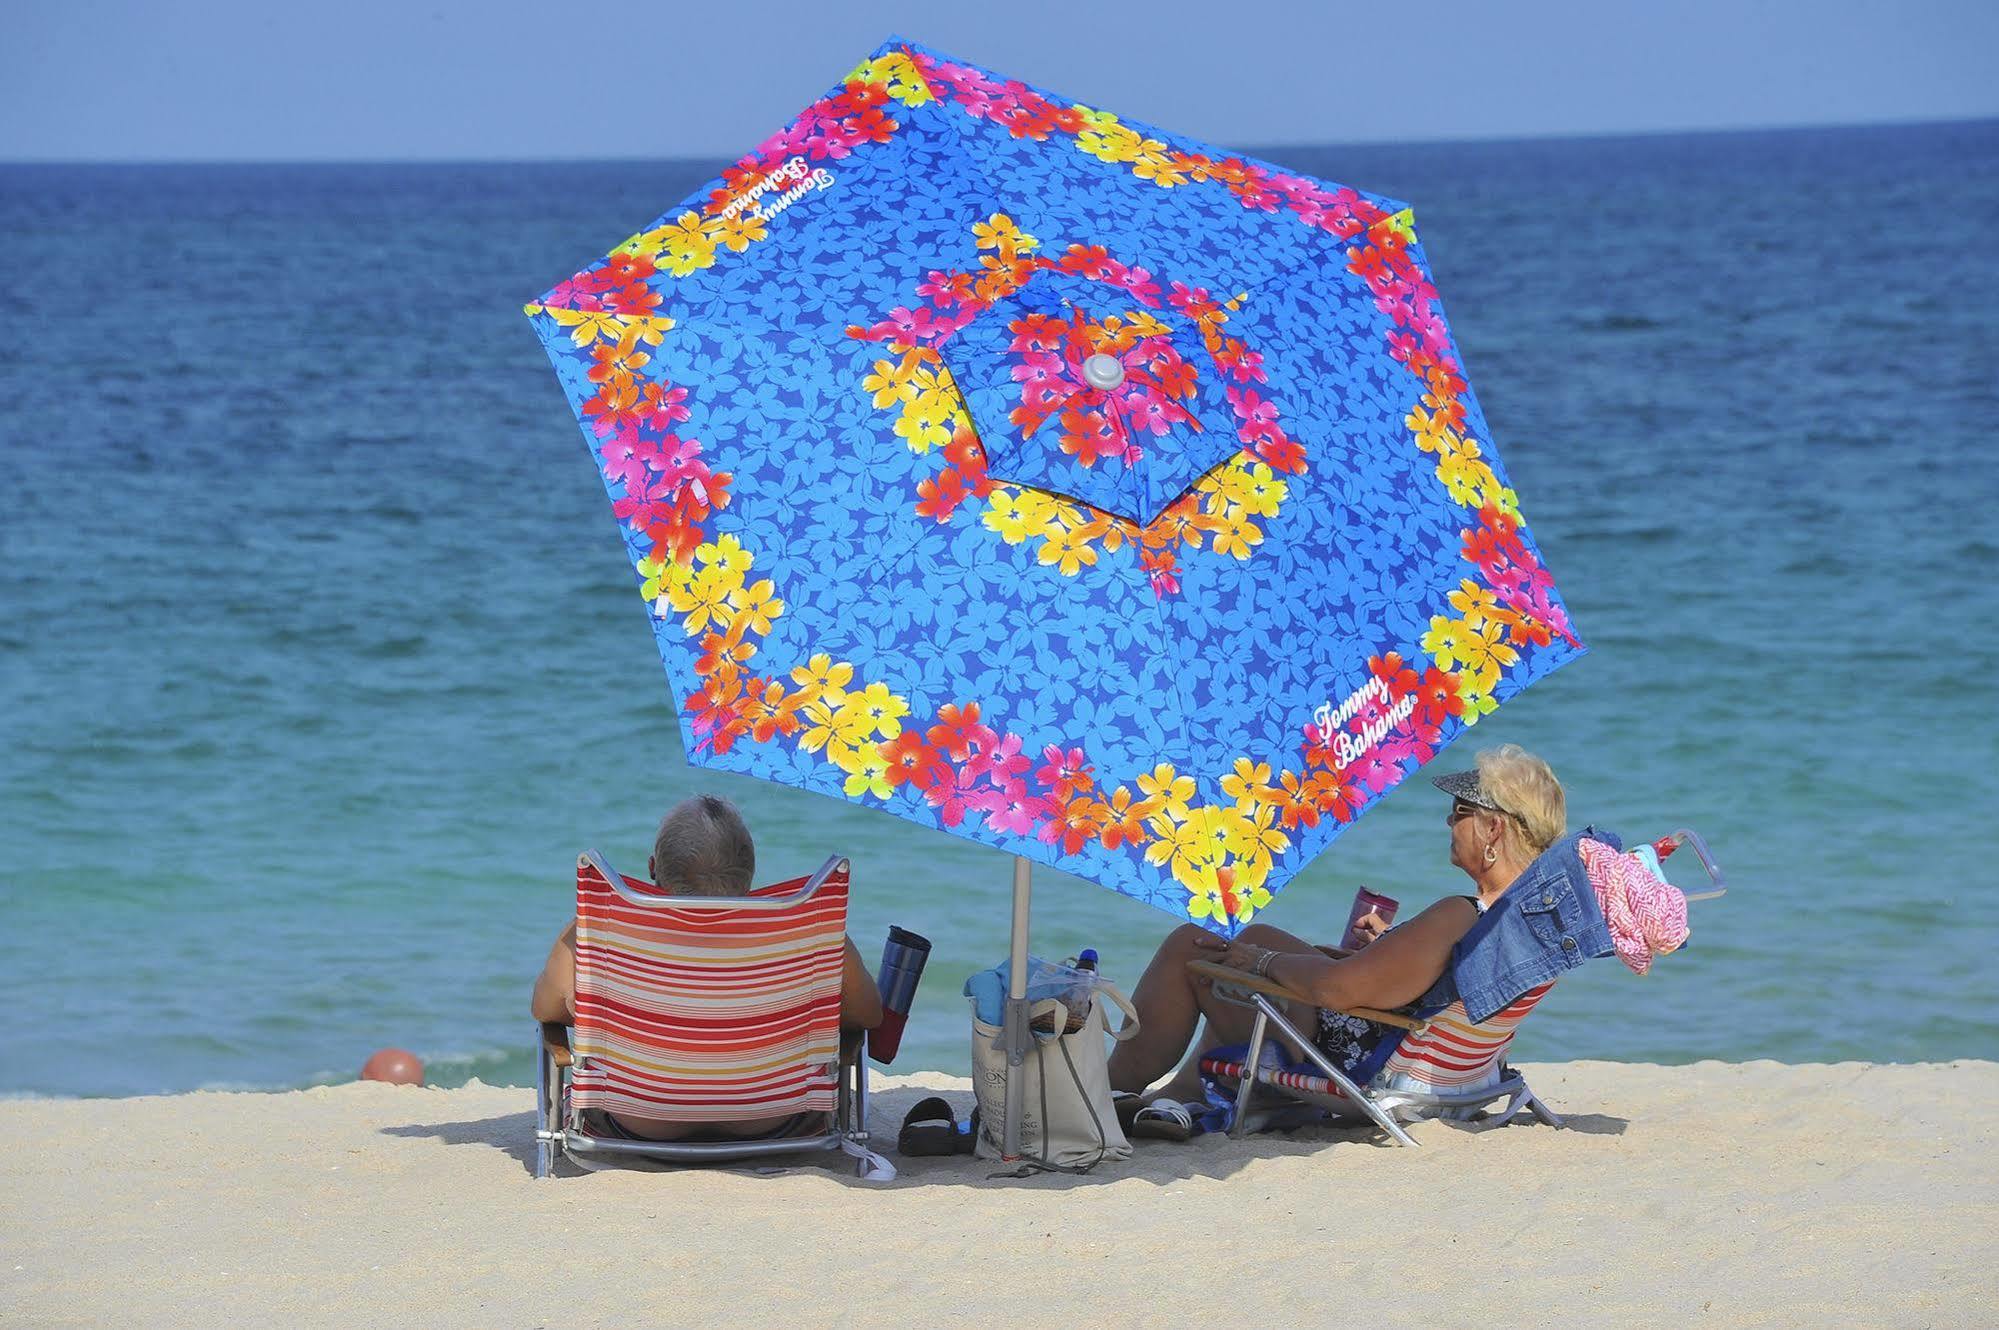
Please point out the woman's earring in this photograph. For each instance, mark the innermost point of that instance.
(1491, 853)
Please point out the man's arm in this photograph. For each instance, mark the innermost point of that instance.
(860, 1000)
(555, 988)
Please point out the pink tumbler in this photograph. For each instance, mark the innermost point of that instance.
(1367, 902)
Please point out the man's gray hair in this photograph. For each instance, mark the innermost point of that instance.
(703, 849)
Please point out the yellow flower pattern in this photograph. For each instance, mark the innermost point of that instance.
(1223, 853)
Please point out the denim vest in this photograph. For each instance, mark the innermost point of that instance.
(1546, 923)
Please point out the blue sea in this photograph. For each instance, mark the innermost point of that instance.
(319, 653)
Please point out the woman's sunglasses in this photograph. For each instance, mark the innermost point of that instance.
(1461, 810)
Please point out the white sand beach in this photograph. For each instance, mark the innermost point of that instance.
(1755, 1194)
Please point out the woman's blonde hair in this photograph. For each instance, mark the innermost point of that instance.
(1525, 786)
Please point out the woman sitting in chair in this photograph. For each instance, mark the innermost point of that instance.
(1504, 817)
(702, 849)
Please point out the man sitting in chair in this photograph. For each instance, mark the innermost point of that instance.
(702, 849)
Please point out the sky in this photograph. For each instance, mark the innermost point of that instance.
(375, 80)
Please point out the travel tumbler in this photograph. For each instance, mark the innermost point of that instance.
(902, 965)
(1367, 902)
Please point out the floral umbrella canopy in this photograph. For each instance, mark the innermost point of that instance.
(1055, 481)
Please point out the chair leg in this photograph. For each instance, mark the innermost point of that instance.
(856, 1125)
(1516, 1103)
(544, 1117)
(1360, 1097)
(1543, 1112)
(1524, 1100)
(1247, 1086)
(551, 1131)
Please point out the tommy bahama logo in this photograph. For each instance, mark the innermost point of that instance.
(1384, 715)
(778, 189)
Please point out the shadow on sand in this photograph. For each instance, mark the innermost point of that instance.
(1158, 1162)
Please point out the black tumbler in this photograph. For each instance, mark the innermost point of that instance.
(903, 957)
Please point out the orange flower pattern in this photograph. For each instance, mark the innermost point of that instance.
(1073, 416)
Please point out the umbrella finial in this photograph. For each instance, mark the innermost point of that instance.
(1104, 372)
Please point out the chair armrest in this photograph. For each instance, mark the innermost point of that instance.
(851, 1044)
(555, 1038)
(1262, 984)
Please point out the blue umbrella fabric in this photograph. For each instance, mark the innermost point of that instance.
(1065, 484)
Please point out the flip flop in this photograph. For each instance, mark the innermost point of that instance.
(931, 1129)
(1126, 1105)
(1163, 1120)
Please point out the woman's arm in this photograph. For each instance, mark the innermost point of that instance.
(555, 988)
(1396, 969)
(860, 1000)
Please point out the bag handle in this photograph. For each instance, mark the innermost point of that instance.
(1058, 1020)
(1045, 1164)
(1129, 1026)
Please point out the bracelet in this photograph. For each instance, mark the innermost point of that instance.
(1262, 967)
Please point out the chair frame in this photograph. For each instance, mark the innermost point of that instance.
(1386, 1108)
(557, 1132)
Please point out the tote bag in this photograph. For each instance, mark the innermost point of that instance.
(1067, 1121)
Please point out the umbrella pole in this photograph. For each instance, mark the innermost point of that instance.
(1014, 1032)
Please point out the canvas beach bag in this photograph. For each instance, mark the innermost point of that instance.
(1067, 1121)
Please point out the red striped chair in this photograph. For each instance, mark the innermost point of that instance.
(1444, 1067)
(697, 1010)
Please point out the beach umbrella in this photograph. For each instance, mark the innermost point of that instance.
(1055, 481)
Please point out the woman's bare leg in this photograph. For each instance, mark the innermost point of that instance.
(1169, 1009)
(1171, 1003)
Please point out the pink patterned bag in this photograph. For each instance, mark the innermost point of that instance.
(1647, 915)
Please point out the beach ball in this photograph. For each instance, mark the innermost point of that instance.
(397, 1066)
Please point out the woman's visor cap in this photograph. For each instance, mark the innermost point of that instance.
(1464, 787)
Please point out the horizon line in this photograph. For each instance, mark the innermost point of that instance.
(1262, 149)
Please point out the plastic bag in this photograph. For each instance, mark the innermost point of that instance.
(1045, 979)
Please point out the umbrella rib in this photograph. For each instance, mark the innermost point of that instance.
(1166, 645)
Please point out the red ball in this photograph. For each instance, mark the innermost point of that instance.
(397, 1066)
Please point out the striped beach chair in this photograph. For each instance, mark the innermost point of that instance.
(1446, 1066)
(699, 1010)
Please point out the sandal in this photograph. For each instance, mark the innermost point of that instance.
(931, 1129)
(1163, 1120)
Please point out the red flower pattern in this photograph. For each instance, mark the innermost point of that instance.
(960, 764)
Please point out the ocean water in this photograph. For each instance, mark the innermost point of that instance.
(319, 661)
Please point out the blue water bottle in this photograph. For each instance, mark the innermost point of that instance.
(1083, 993)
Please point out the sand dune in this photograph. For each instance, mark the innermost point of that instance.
(1717, 1194)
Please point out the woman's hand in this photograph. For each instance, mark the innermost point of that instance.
(1367, 928)
(1224, 953)
(1236, 955)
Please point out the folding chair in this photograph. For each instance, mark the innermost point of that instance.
(702, 1009)
(1445, 1066)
